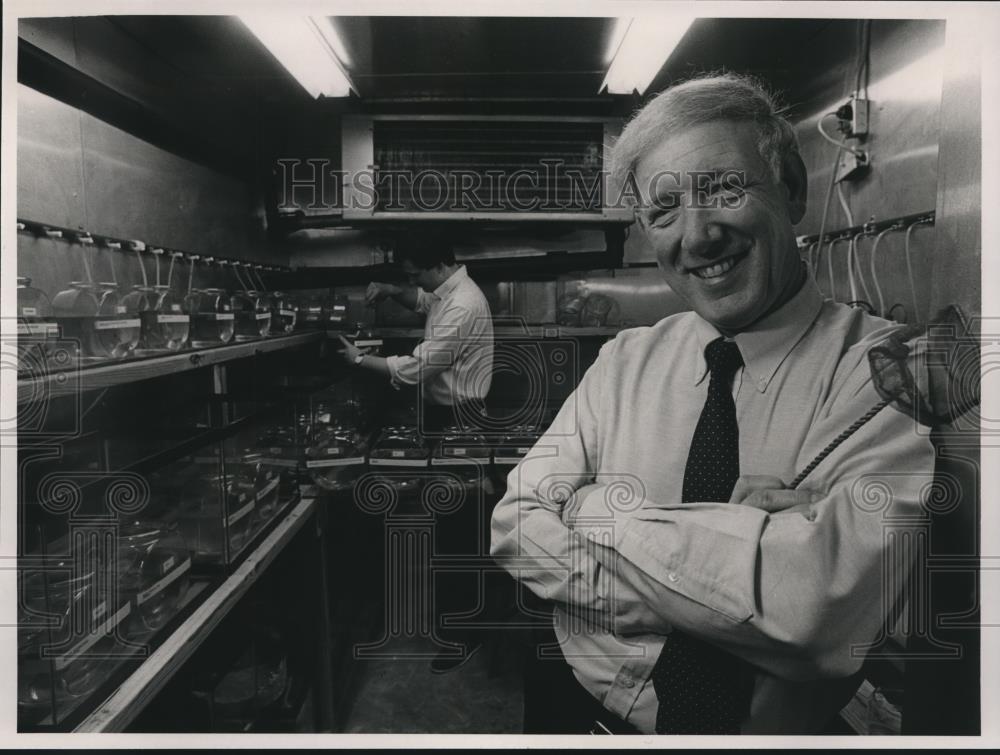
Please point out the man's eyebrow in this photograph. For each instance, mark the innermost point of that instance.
(719, 174)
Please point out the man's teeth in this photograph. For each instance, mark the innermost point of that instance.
(714, 271)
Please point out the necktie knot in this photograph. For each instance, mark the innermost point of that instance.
(723, 358)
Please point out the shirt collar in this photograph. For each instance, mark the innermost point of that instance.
(451, 283)
(766, 343)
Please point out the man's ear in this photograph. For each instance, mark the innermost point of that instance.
(793, 177)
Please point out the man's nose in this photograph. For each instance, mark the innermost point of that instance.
(700, 231)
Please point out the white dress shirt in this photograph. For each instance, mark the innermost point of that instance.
(791, 592)
(454, 362)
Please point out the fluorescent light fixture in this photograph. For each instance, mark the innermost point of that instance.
(645, 47)
(306, 47)
(329, 32)
(617, 35)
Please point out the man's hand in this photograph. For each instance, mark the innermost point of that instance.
(772, 495)
(378, 291)
(350, 352)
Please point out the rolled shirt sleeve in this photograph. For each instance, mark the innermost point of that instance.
(788, 592)
(791, 592)
(446, 344)
(529, 537)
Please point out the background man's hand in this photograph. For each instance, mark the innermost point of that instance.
(376, 292)
(772, 495)
(350, 351)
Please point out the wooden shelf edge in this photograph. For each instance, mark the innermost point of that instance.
(107, 375)
(121, 708)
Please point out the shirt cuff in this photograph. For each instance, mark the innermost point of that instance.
(709, 558)
(714, 566)
(392, 362)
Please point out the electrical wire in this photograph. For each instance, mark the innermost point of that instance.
(893, 309)
(857, 265)
(829, 264)
(822, 222)
(909, 266)
(850, 254)
(841, 145)
(878, 289)
(810, 258)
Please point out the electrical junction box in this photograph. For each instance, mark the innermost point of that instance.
(852, 165)
(853, 117)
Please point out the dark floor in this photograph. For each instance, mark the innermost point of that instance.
(398, 694)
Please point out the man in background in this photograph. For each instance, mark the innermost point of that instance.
(452, 369)
(453, 364)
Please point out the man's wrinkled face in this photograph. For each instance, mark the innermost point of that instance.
(720, 224)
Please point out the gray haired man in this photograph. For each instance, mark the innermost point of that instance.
(693, 592)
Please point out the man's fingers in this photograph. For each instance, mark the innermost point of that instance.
(747, 484)
(772, 501)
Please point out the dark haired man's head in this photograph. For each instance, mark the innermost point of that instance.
(427, 259)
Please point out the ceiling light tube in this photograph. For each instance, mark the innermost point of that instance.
(305, 47)
(646, 46)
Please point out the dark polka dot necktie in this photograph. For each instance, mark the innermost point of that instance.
(700, 688)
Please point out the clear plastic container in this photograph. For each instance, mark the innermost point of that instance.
(165, 325)
(338, 313)
(462, 443)
(253, 316)
(138, 303)
(212, 320)
(36, 332)
(335, 457)
(153, 573)
(257, 680)
(75, 309)
(399, 443)
(65, 623)
(266, 482)
(283, 313)
(117, 333)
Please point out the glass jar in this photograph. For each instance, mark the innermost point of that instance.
(165, 326)
(255, 681)
(212, 320)
(335, 457)
(282, 447)
(314, 312)
(283, 313)
(153, 573)
(36, 333)
(63, 626)
(75, 309)
(253, 316)
(117, 333)
(265, 482)
(138, 303)
(338, 313)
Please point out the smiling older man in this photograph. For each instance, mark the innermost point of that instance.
(693, 592)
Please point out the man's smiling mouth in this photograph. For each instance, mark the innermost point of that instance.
(718, 269)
